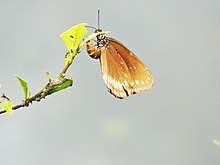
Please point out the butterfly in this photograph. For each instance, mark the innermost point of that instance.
(123, 72)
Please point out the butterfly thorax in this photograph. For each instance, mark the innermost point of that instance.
(102, 41)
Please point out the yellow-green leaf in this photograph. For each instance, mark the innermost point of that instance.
(24, 85)
(72, 39)
(6, 104)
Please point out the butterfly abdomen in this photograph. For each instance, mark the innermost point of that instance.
(92, 51)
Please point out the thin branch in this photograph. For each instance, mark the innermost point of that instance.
(66, 67)
(48, 89)
(25, 103)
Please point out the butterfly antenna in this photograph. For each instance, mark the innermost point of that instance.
(92, 27)
(98, 19)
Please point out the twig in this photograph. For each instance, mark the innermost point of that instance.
(49, 88)
(25, 103)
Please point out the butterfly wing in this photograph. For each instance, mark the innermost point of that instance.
(115, 72)
(141, 78)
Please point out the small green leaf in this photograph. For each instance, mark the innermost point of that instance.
(66, 83)
(72, 39)
(24, 85)
(6, 104)
(216, 142)
(57, 84)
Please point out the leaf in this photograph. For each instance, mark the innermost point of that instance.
(6, 104)
(24, 85)
(56, 85)
(216, 142)
(72, 38)
(66, 83)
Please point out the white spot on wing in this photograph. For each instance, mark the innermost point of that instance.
(129, 92)
(120, 86)
(111, 80)
(108, 85)
(136, 81)
(131, 54)
(115, 83)
(105, 78)
(126, 75)
(121, 94)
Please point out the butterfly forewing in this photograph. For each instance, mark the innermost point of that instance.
(115, 72)
(141, 78)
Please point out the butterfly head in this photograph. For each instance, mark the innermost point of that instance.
(102, 40)
(97, 30)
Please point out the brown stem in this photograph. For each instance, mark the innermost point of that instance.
(25, 103)
(39, 95)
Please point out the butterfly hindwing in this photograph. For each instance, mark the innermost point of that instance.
(115, 72)
(141, 78)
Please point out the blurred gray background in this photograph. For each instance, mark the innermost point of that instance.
(173, 124)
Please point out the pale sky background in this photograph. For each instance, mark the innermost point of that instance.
(173, 124)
